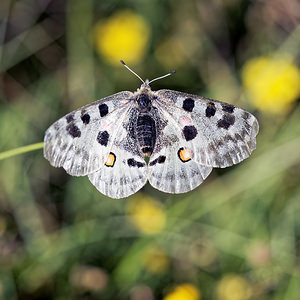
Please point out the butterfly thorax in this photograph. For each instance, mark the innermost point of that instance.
(145, 124)
(144, 103)
(144, 97)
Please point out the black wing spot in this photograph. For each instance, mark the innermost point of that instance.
(139, 164)
(133, 163)
(210, 110)
(246, 115)
(152, 163)
(73, 130)
(228, 108)
(189, 132)
(85, 119)
(226, 121)
(70, 118)
(160, 160)
(103, 137)
(103, 109)
(188, 104)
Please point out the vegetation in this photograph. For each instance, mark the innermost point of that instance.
(236, 237)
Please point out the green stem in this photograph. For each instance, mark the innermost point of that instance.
(21, 150)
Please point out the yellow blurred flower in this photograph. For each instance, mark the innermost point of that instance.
(124, 35)
(233, 287)
(146, 214)
(185, 291)
(273, 84)
(155, 260)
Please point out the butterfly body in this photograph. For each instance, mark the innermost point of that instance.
(145, 127)
(184, 136)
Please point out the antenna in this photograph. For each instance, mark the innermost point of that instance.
(169, 74)
(123, 63)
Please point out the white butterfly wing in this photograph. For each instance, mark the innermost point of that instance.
(170, 168)
(194, 134)
(126, 176)
(80, 142)
(219, 134)
(125, 170)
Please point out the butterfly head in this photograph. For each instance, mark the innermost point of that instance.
(146, 83)
(144, 95)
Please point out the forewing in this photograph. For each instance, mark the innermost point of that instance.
(80, 141)
(125, 170)
(171, 167)
(218, 133)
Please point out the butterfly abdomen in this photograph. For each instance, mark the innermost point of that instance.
(146, 133)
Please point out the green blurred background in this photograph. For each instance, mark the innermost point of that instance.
(236, 237)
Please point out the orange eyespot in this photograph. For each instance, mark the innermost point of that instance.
(110, 160)
(185, 154)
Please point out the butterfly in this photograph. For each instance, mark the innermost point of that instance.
(184, 137)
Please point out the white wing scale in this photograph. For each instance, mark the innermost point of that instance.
(167, 173)
(225, 133)
(71, 142)
(121, 180)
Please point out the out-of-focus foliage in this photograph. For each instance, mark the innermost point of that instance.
(236, 237)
